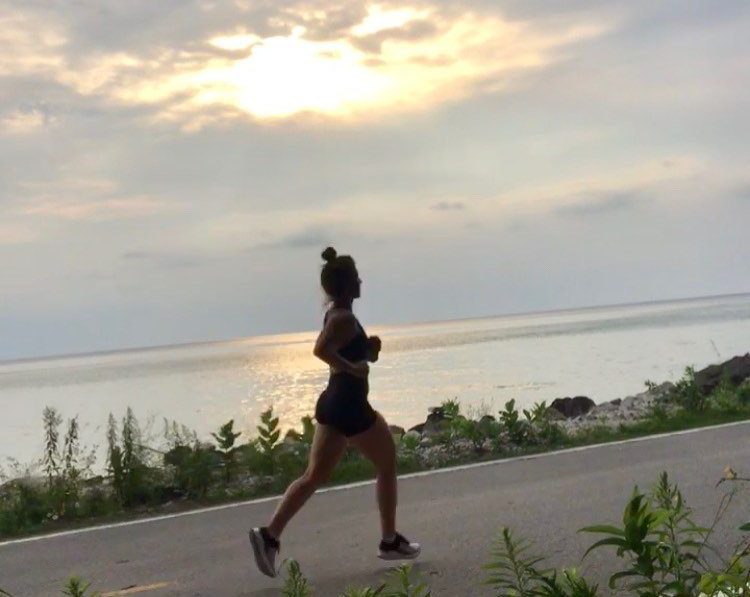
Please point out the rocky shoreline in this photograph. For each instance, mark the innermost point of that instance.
(574, 414)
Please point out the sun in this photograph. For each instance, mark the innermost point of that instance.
(285, 75)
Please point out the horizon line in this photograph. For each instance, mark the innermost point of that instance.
(177, 345)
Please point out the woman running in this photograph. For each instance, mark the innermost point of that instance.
(344, 417)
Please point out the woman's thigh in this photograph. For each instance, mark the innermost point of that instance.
(376, 444)
(327, 449)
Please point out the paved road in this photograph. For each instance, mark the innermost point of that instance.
(454, 514)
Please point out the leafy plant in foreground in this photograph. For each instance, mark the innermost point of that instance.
(512, 569)
(77, 587)
(399, 583)
(295, 584)
(660, 542)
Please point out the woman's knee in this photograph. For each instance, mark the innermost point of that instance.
(315, 477)
(386, 463)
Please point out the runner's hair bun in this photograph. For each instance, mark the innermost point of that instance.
(329, 255)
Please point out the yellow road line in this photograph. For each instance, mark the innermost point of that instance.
(140, 589)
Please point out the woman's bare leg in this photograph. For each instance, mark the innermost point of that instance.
(377, 446)
(327, 448)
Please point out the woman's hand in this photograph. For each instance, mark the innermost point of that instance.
(373, 348)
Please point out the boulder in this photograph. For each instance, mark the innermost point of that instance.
(572, 407)
(635, 402)
(396, 430)
(436, 422)
(417, 429)
(554, 415)
(606, 407)
(736, 369)
(662, 392)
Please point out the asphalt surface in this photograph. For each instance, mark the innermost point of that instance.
(454, 514)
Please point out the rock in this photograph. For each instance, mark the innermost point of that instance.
(602, 409)
(615, 402)
(554, 415)
(632, 402)
(662, 392)
(417, 429)
(572, 407)
(396, 430)
(736, 369)
(436, 422)
(486, 420)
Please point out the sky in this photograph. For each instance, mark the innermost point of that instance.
(170, 171)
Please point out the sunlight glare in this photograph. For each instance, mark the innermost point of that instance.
(286, 75)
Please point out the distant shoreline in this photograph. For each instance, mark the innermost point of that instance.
(204, 343)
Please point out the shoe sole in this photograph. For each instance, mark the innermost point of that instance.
(394, 555)
(259, 549)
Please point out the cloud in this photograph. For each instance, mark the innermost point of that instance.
(602, 203)
(162, 260)
(448, 206)
(416, 30)
(98, 210)
(310, 237)
(14, 234)
(25, 121)
(318, 61)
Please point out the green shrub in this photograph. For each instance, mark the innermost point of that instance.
(193, 468)
(64, 465)
(225, 440)
(725, 397)
(516, 429)
(24, 506)
(743, 393)
(96, 502)
(308, 432)
(465, 428)
(688, 394)
(126, 466)
(268, 439)
(451, 408)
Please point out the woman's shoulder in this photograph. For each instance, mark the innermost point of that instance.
(339, 316)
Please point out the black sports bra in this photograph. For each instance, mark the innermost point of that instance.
(357, 348)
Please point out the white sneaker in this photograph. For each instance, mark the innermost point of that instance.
(400, 548)
(265, 549)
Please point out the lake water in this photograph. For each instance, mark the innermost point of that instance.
(603, 353)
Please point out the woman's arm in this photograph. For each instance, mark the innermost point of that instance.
(337, 333)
